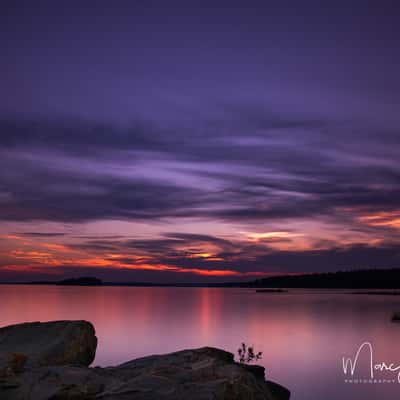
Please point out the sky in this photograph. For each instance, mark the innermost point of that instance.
(198, 141)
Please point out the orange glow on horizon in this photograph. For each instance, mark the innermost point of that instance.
(102, 263)
(271, 235)
(12, 237)
(383, 218)
(56, 246)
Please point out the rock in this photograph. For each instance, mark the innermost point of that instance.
(197, 374)
(49, 343)
(257, 370)
(396, 317)
(205, 373)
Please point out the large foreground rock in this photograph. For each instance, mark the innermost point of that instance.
(53, 343)
(198, 374)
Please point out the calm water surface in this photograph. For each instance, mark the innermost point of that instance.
(302, 334)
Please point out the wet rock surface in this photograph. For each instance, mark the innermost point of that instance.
(196, 374)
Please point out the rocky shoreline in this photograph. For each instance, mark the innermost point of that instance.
(50, 361)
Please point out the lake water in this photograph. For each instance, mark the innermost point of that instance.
(303, 334)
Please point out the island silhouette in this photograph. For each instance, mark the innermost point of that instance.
(357, 279)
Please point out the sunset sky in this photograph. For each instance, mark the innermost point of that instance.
(188, 141)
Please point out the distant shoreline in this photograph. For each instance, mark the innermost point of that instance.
(359, 279)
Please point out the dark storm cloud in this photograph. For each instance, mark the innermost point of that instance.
(172, 246)
(94, 245)
(182, 251)
(166, 246)
(254, 114)
(353, 257)
(333, 259)
(245, 257)
(76, 136)
(74, 171)
(89, 139)
(38, 187)
(41, 234)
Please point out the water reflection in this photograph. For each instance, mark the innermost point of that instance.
(303, 335)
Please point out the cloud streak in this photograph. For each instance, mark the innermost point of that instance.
(289, 175)
(269, 196)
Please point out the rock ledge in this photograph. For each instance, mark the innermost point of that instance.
(57, 370)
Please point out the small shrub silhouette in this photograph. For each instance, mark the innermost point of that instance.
(247, 354)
